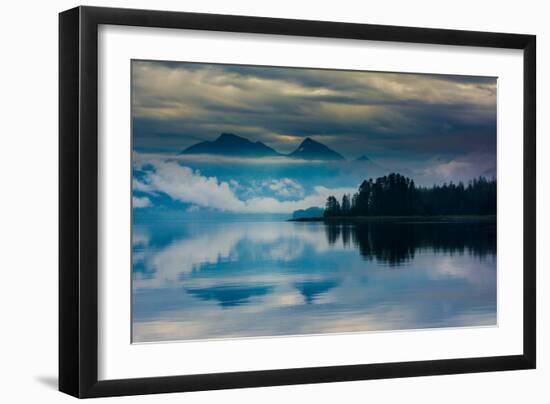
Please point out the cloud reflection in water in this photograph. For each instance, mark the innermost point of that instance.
(221, 280)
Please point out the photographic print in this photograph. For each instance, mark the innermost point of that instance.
(279, 201)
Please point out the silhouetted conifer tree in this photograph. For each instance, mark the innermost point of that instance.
(397, 195)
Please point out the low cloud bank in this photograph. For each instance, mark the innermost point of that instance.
(186, 185)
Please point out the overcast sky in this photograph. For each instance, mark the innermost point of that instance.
(379, 114)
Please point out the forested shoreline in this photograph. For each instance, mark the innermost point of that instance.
(397, 195)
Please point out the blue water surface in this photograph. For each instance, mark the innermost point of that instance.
(211, 279)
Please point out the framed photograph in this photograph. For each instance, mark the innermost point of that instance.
(251, 201)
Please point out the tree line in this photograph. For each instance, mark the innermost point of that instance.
(397, 195)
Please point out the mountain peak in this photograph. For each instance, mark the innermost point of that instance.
(230, 137)
(311, 149)
(229, 144)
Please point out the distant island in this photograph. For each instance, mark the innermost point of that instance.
(229, 144)
(395, 195)
(308, 213)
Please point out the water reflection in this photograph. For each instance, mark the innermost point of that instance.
(217, 280)
(314, 289)
(396, 242)
(228, 296)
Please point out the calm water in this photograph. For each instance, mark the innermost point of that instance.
(220, 280)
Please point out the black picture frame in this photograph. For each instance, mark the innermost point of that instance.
(78, 201)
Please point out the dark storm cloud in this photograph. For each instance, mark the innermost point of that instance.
(407, 115)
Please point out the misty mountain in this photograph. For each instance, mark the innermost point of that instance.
(308, 213)
(228, 144)
(310, 149)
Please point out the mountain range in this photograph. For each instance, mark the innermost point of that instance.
(229, 144)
